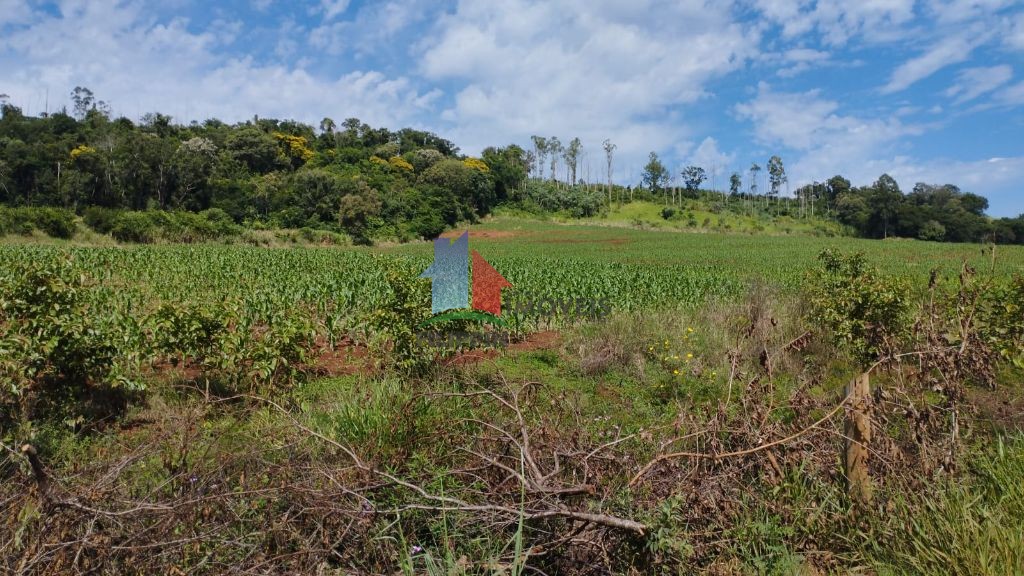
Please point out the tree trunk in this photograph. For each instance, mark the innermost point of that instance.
(858, 437)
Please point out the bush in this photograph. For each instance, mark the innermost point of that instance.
(100, 219)
(134, 227)
(55, 222)
(864, 309)
(11, 222)
(60, 360)
(146, 227)
(932, 230)
(1001, 314)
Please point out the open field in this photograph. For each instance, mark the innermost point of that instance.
(781, 260)
(232, 409)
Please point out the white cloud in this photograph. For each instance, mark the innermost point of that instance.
(140, 66)
(974, 82)
(825, 142)
(948, 50)
(836, 21)
(953, 11)
(589, 69)
(805, 121)
(14, 12)
(1011, 95)
(333, 8)
(800, 60)
(709, 156)
(1015, 34)
(374, 26)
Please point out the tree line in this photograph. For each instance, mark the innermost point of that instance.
(351, 177)
(374, 182)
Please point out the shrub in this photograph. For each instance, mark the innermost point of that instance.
(60, 360)
(864, 309)
(100, 219)
(11, 222)
(134, 227)
(932, 230)
(1002, 320)
(55, 222)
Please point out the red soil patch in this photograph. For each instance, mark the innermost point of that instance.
(346, 358)
(548, 340)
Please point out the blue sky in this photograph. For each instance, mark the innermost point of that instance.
(928, 90)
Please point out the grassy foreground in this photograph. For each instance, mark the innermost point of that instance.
(275, 426)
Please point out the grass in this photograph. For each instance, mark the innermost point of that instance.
(969, 525)
(780, 260)
(698, 216)
(644, 374)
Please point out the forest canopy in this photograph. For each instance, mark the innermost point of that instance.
(374, 182)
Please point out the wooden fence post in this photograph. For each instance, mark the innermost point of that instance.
(858, 437)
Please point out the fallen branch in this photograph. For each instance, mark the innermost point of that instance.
(703, 455)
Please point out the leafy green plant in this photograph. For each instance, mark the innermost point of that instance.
(1002, 319)
(396, 319)
(864, 309)
(60, 359)
(181, 331)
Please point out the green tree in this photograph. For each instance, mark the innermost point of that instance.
(572, 157)
(540, 144)
(655, 175)
(508, 167)
(885, 199)
(932, 230)
(693, 177)
(555, 149)
(257, 150)
(191, 167)
(776, 175)
(355, 212)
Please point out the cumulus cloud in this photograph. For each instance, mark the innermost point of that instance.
(140, 65)
(374, 27)
(1012, 95)
(1015, 34)
(954, 11)
(826, 141)
(14, 12)
(582, 68)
